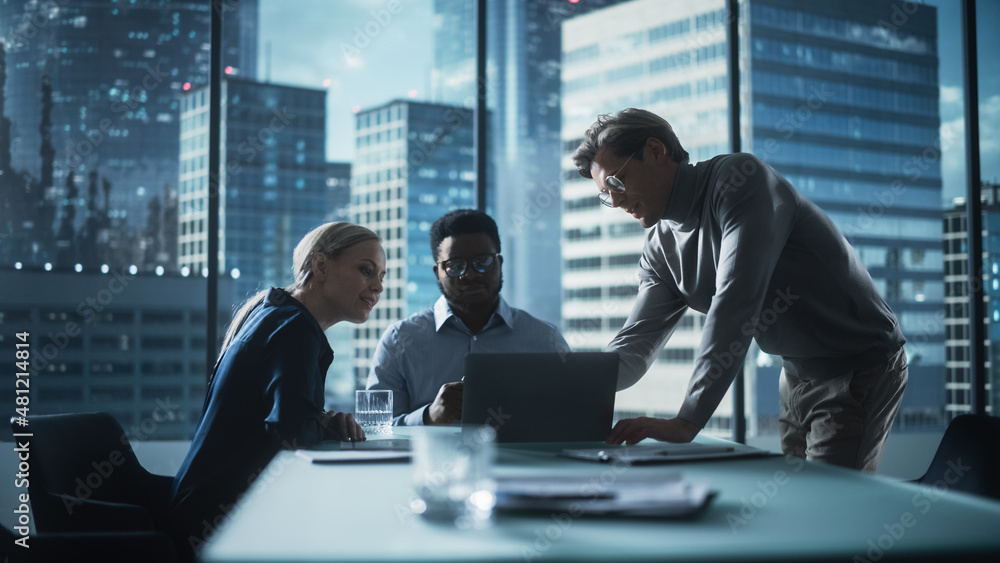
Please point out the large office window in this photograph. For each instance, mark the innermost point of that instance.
(93, 182)
(858, 104)
(379, 143)
(863, 110)
(364, 112)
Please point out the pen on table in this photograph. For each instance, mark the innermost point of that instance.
(703, 451)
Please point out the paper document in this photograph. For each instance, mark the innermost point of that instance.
(352, 456)
(652, 496)
(662, 453)
(395, 444)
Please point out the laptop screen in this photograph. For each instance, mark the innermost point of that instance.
(541, 397)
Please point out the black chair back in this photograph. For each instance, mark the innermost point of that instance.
(121, 547)
(86, 458)
(968, 458)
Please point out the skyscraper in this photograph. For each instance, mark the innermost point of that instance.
(958, 382)
(275, 186)
(338, 183)
(523, 96)
(119, 341)
(838, 99)
(89, 145)
(671, 62)
(94, 87)
(843, 101)
(413, 164)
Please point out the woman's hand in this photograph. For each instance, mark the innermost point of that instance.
(341, 426)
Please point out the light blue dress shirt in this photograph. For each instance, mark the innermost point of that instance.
(417, 355)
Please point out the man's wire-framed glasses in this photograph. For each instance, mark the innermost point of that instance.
(456, 267)
(613, 185)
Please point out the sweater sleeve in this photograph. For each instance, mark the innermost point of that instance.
(657, 310)
(755, 214)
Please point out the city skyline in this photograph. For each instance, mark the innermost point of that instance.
(365, 79)
(305, 63)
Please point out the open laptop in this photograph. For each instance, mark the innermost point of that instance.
(541, 397)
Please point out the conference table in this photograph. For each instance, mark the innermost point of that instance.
(766, 508)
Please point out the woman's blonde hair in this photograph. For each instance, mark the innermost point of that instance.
(331, 239)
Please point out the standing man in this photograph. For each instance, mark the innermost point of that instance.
(733, 239)
(422, 358)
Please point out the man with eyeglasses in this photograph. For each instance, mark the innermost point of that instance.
(733, 239)
(421, 358)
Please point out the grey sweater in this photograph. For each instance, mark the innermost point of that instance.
(738, 243)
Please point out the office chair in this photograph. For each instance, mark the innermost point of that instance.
(968, 458)
(125, 547)
(85, 477)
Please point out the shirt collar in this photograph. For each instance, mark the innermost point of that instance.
(279, 297)
(443, 312)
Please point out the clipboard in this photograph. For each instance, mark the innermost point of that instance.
(662, 453)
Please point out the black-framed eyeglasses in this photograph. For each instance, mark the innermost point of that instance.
(612, 185)
(456, 267)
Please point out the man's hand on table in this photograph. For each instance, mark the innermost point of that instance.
(633, 430)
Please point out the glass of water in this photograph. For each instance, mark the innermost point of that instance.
(373, 411)
(452, 476)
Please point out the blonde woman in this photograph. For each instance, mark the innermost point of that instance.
(266, 393)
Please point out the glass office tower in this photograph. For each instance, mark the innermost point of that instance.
(413, 164)
(671, 62)
(275, 186)
(89, 144)
(94, 88)
(958, 386)
(844, 103)
(121, 342)
(523, 41)
(839, 101)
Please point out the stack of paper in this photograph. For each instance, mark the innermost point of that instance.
(657, 496)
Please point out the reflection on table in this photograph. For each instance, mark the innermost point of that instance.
(767, 508)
